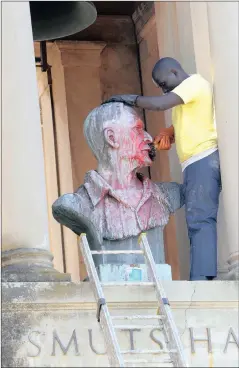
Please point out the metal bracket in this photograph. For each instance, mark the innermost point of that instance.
(100, 302)
(165, 301)
(43, 58)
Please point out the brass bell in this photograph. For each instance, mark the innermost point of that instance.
(57, 19)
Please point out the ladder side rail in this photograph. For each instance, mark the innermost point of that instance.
(112, 345)
(111, 342)
(172, 330)
(161, 295)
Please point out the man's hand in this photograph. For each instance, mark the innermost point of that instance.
(165, 138)
(129, 100)
(162, 143)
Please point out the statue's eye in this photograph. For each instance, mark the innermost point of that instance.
(138, 130)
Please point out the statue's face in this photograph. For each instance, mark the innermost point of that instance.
(134, 141)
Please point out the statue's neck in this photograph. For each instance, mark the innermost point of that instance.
(119, 177)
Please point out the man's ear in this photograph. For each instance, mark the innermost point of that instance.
(155, 83)
(110, 138)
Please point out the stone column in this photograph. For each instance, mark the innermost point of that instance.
(25, 255)
(223, 29)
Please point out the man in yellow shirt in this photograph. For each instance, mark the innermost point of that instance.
(194, 133)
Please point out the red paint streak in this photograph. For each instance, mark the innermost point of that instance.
(139, 139)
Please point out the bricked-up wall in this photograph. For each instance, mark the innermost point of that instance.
(146, 33)
(142, 15)
(119, 70)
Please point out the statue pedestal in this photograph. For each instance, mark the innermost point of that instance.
(131, 273)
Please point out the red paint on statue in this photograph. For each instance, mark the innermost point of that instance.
(140, 140)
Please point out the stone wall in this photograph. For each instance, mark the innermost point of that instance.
(54, 324)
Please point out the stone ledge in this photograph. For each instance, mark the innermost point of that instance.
(84, 306)
(80, 53)
(195, 292)
(80, 45)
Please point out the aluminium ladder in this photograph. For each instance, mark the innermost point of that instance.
(174, 345)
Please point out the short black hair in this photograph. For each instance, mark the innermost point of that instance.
(166, 63)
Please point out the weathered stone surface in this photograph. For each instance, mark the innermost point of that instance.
(54, 324)
(233, 268)
(30, 264)
(142, 15)
(112, 29)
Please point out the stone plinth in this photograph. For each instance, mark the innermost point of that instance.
(30, 264)
(54, 324)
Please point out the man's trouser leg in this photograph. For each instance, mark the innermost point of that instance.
(202, 182)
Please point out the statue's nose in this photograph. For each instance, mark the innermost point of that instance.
(148, 138)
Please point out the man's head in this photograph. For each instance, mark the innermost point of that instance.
(114, 131)
(168, 74)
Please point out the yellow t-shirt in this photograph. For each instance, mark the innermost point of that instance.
(193, 121)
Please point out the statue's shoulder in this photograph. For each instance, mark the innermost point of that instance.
(168, 187)
(78, 201)
(74, 210)
(173, 193)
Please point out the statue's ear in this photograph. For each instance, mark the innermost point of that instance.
(110, 138)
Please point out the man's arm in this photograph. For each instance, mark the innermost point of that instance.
(157, 103)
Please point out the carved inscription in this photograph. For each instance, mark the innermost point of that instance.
(193, 340)
(131, 335)
(91, 344)
(31, 336)
(154, 339)
(65, 344)
(64, 349)
(232, 334)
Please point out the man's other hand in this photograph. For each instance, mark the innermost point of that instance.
(162, 143)
(165, 138)
(129, 100)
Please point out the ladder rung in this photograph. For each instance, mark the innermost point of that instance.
(147, 361)
(138, 317)
(147, 351)
(117, 252)
(111, 283)
(123, 327)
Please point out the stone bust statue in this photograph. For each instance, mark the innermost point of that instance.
(116, 203)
